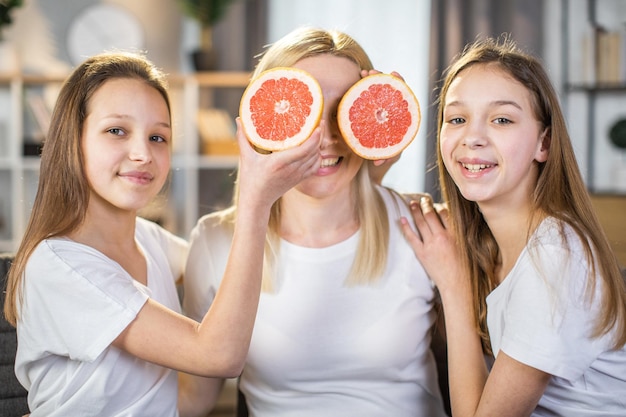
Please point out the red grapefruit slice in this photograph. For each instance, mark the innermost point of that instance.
(280, 108)
(379, 116)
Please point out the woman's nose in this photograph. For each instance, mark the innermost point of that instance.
(331, 133)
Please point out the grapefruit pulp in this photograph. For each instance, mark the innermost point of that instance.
(379, 116)
(281, 108)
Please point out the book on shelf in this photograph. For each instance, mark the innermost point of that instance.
(603, 52)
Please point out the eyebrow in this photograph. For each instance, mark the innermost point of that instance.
(496, 103)
(126, 116)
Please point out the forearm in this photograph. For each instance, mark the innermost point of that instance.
(232, 314)
(466, 364)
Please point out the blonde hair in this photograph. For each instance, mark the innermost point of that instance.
(560, 192)
(63, 191)
(371, 259)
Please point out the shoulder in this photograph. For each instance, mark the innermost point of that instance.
(65, 255)
(215, 226)
(60, 263)
(555, 243)
(149, 233)
(397, 204)
(210, 242)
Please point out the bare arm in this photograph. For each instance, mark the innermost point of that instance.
(197, 395)
(512, 388)
(219, 344)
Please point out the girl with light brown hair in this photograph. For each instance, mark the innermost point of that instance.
(92, 288)
(523, 267)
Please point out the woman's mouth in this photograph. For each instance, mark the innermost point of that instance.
(330, 162)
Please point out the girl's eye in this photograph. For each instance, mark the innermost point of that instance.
(157, 138)
(116, 131)
(502, 121)
(456, 120)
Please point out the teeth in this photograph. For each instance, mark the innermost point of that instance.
(329, 162)
(475, 167)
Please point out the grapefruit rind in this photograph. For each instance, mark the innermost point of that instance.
(301, 112)
(365, 114)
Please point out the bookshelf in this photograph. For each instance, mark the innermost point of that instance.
(200, 182)
(594, 58)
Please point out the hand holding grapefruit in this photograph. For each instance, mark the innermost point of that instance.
(379, 116)
(281, 108)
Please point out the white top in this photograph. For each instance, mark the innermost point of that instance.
(320, 348)
(538, 315)
(76, 302)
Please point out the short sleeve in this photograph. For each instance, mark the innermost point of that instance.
(76, 301)
(548, 319)
(209, 248)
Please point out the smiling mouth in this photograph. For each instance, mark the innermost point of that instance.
(473, 168)
(330, 162)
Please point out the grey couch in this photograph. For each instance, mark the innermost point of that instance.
(12, 394)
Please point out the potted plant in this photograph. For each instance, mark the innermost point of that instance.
(5, 14)
(207, 13)
(9, 62)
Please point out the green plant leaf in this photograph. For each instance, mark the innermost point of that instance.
(206, 12)
(5, 11)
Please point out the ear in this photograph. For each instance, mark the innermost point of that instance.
(544, 146)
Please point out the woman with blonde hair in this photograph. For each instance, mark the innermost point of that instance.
(521, 262)
(345, 317)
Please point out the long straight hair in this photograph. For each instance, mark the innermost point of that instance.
(63, 192)
(560, 192)
(371, 260)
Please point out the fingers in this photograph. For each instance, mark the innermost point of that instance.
(242, 141)
(380, 167)
(365, 73)
(390, 161)
(265, 176)
(426, 204)
(430, 218)
(412, 237)
(443, 212)
(396, 74)
(306, 158)
(378, 162)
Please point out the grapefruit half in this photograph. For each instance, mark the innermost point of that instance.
(280, 108)
(379, 116)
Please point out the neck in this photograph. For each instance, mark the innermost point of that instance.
(511, 228)
(315, 222)
(107, 231)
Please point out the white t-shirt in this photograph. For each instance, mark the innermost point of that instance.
(76, 302)
(538, 316)
(320, 348)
